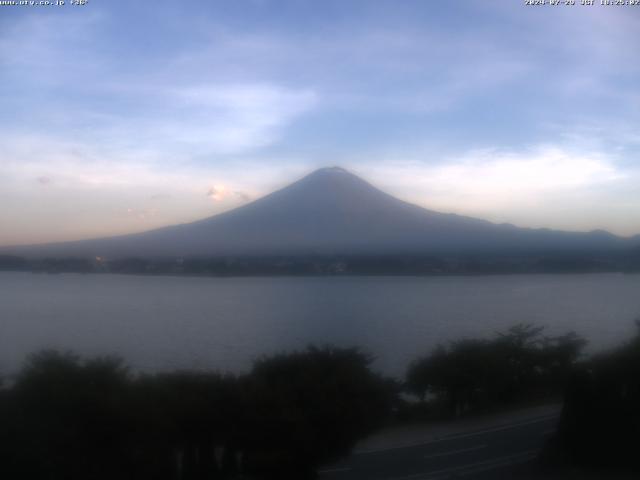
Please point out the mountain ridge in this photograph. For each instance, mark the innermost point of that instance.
(331, 211)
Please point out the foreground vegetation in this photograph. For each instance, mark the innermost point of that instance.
(600, 424)
(64, 417)
(470, 375)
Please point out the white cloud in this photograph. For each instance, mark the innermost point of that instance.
(228, 118)
(503, 174)
(547, 186)
(217, 193)
(500, 174)
(53, 189)
(80, 84)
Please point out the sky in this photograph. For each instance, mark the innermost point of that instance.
(120, 116)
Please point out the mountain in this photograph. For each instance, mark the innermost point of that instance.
(332, 211)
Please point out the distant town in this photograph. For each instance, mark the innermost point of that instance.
(628, 261)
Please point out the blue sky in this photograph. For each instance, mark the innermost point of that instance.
(124, 116)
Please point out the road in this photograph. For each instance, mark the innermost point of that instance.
(490, 453)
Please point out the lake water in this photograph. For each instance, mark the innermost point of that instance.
(160, 323)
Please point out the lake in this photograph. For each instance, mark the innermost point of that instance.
(161, 323)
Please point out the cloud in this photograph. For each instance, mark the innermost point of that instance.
(496, 173)
(377, 67)
(226, 119)
(494, 177)
(141, 214)
(544, 186)
(95, 185)
(217, 193)
(114, 98)
(245, 197)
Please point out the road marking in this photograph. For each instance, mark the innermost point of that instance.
(459, 435)
(454, 452)
(334, 470)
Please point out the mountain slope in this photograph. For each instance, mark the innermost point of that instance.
(331, 211)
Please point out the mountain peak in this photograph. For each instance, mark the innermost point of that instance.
(334, 169)
(332, 210)
(333, 175)
(331, 172)
(334, 179)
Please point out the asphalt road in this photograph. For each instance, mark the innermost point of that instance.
(492, 453)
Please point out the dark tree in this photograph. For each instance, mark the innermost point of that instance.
(311, 407)
(514, 366)
(600, 422)
(66, 418)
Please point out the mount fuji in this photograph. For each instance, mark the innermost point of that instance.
(332, 211)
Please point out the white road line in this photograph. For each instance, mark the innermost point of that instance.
(454, 452)
(460, 435)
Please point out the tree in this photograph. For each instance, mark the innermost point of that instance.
(600, 422)
(475, 373)
(311, 407)
(66, 417)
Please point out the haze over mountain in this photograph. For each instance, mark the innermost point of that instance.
(332, 211)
